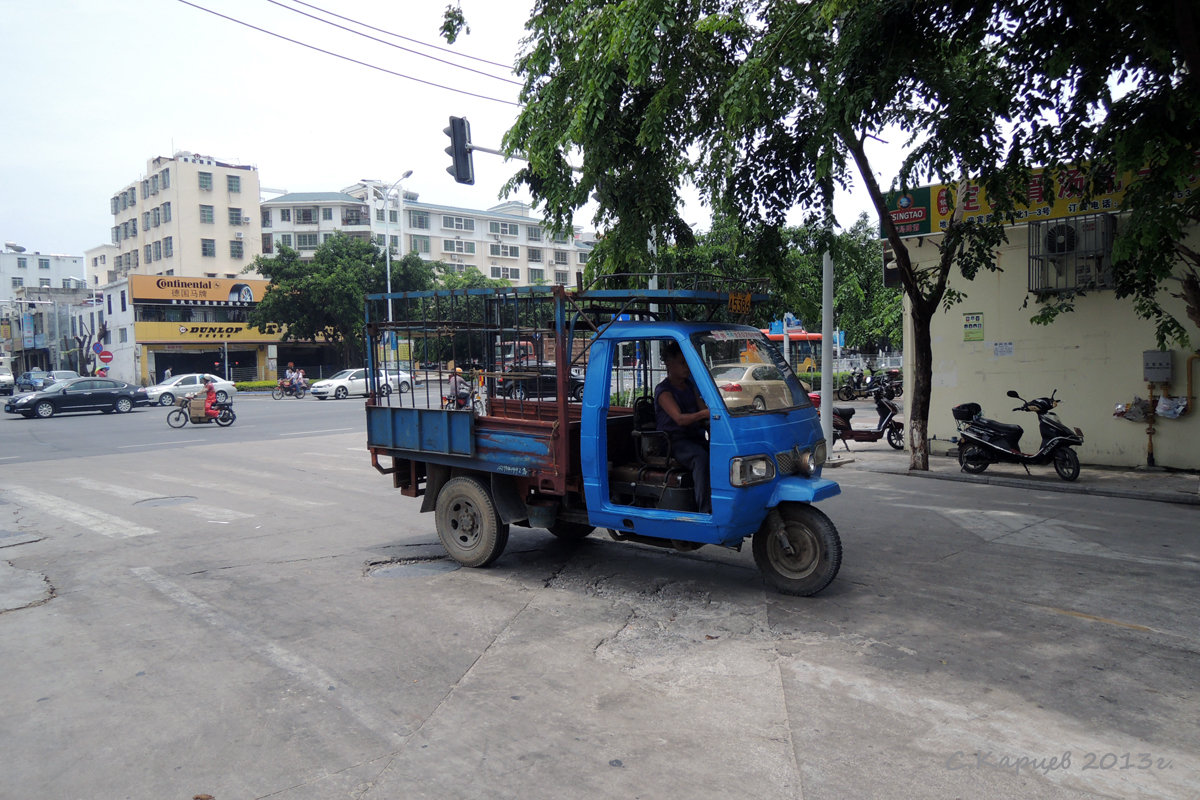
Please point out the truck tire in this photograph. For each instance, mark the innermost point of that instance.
(815, 550)
(467, 523)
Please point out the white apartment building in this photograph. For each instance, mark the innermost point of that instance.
(188, 216)
(502, 242)
(20, 269)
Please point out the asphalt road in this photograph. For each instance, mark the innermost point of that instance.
(266, 617)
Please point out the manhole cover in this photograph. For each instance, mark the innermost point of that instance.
(166, 501)
(412, 567)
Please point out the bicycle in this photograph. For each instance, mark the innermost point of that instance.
(181, 414)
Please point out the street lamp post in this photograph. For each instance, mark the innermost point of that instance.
(387, 244)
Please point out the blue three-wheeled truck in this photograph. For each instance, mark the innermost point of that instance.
(548, 461)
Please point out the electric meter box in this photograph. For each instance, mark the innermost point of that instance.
(1156, 366)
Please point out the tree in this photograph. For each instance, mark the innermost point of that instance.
(322, 299)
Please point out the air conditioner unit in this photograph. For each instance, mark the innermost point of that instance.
(245, 220)
(237, 235)
(1083, 236)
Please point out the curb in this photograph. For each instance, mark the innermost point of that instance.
(1060, 486)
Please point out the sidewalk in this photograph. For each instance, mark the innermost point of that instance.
(1160, 485)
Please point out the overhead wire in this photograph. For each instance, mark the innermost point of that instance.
(392, 44)
(401, 36)
(348, 58)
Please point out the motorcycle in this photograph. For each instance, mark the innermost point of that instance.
(887, 426)
(284, 389)
(986, 441)
(180, 415)
(857, 386)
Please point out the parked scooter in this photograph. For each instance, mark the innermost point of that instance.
(857, 386)
(887, 426)
(986, 441)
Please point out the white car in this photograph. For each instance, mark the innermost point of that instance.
(175, 387)
(7, 382)
(354, 381)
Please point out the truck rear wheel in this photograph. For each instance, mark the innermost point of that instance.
(802, 556)
(467, 523)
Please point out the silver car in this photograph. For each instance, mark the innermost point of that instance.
(173, 388)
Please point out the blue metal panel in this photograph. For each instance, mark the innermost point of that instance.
(429, 430)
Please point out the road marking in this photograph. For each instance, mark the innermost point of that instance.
(327, 430)
(232, 489)
(322, 683)
(159, 444)
(208, 512)
(97, 521)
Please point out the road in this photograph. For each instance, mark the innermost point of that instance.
(253, 612)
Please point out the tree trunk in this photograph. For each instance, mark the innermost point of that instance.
(917, 409)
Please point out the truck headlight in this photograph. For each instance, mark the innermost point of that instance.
(749, 470)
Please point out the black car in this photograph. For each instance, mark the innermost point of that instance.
(79, 394)
(36, 379)
(538, 381)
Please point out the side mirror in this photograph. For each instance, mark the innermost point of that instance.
(1012, 393)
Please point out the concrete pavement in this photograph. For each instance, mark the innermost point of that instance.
(1157, 484)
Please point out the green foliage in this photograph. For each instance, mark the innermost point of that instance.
(322, 299)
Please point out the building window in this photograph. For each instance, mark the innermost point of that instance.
(235, 216)
(561, 258)
(206, 214)
(327, 214)
(266, 217)
(43, 283)
(158, 251)
(145, 220)
(535, 255)
(418, 243)
(504, 228)
(393, 216)
(285, 240)
(147, 252)
(166, 207)
(583, 257)
(267, 243)
(379, 215)
(123, 306)
(233, 182)
(132, 229)
(306, 241)
(458, 246)
(325, 237)
(122, 335)
(17, 282)
(418, 220)
(43, 263)
(458, 223)
(205, 180)
(537, 275)
(156, 217)
(114, 204)
(504, 250)
(235, 249)
(153, 184)
(533, 233)
(394, 242)
(208, 247)
(560, 277)
(145, 188)
(561, 238)
(306, 216)
(168, 246)
(132, 197)
(507, 273)
(285, 215)
(22, 263)
(166, 178)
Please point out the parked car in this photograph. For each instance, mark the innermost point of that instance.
(538, 381)
(36, 379)
(399, 380)
(7, 381)
(759, 386)
(354, 381)
(79, 394)
(165, 393)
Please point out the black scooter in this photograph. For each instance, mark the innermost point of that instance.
(986, 441)
(887, 426)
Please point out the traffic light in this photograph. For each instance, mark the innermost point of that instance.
(891, 272)
(459, 150)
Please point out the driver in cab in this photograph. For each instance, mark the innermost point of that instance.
(681, 413)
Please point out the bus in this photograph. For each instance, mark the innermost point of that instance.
(804, 349)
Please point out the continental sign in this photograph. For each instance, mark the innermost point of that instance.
(197, 291)
(180, 332)
(928, 209)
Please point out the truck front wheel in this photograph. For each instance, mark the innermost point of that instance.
(467, 523)
(798, 550)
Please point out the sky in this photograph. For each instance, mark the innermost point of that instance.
(90, 91)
